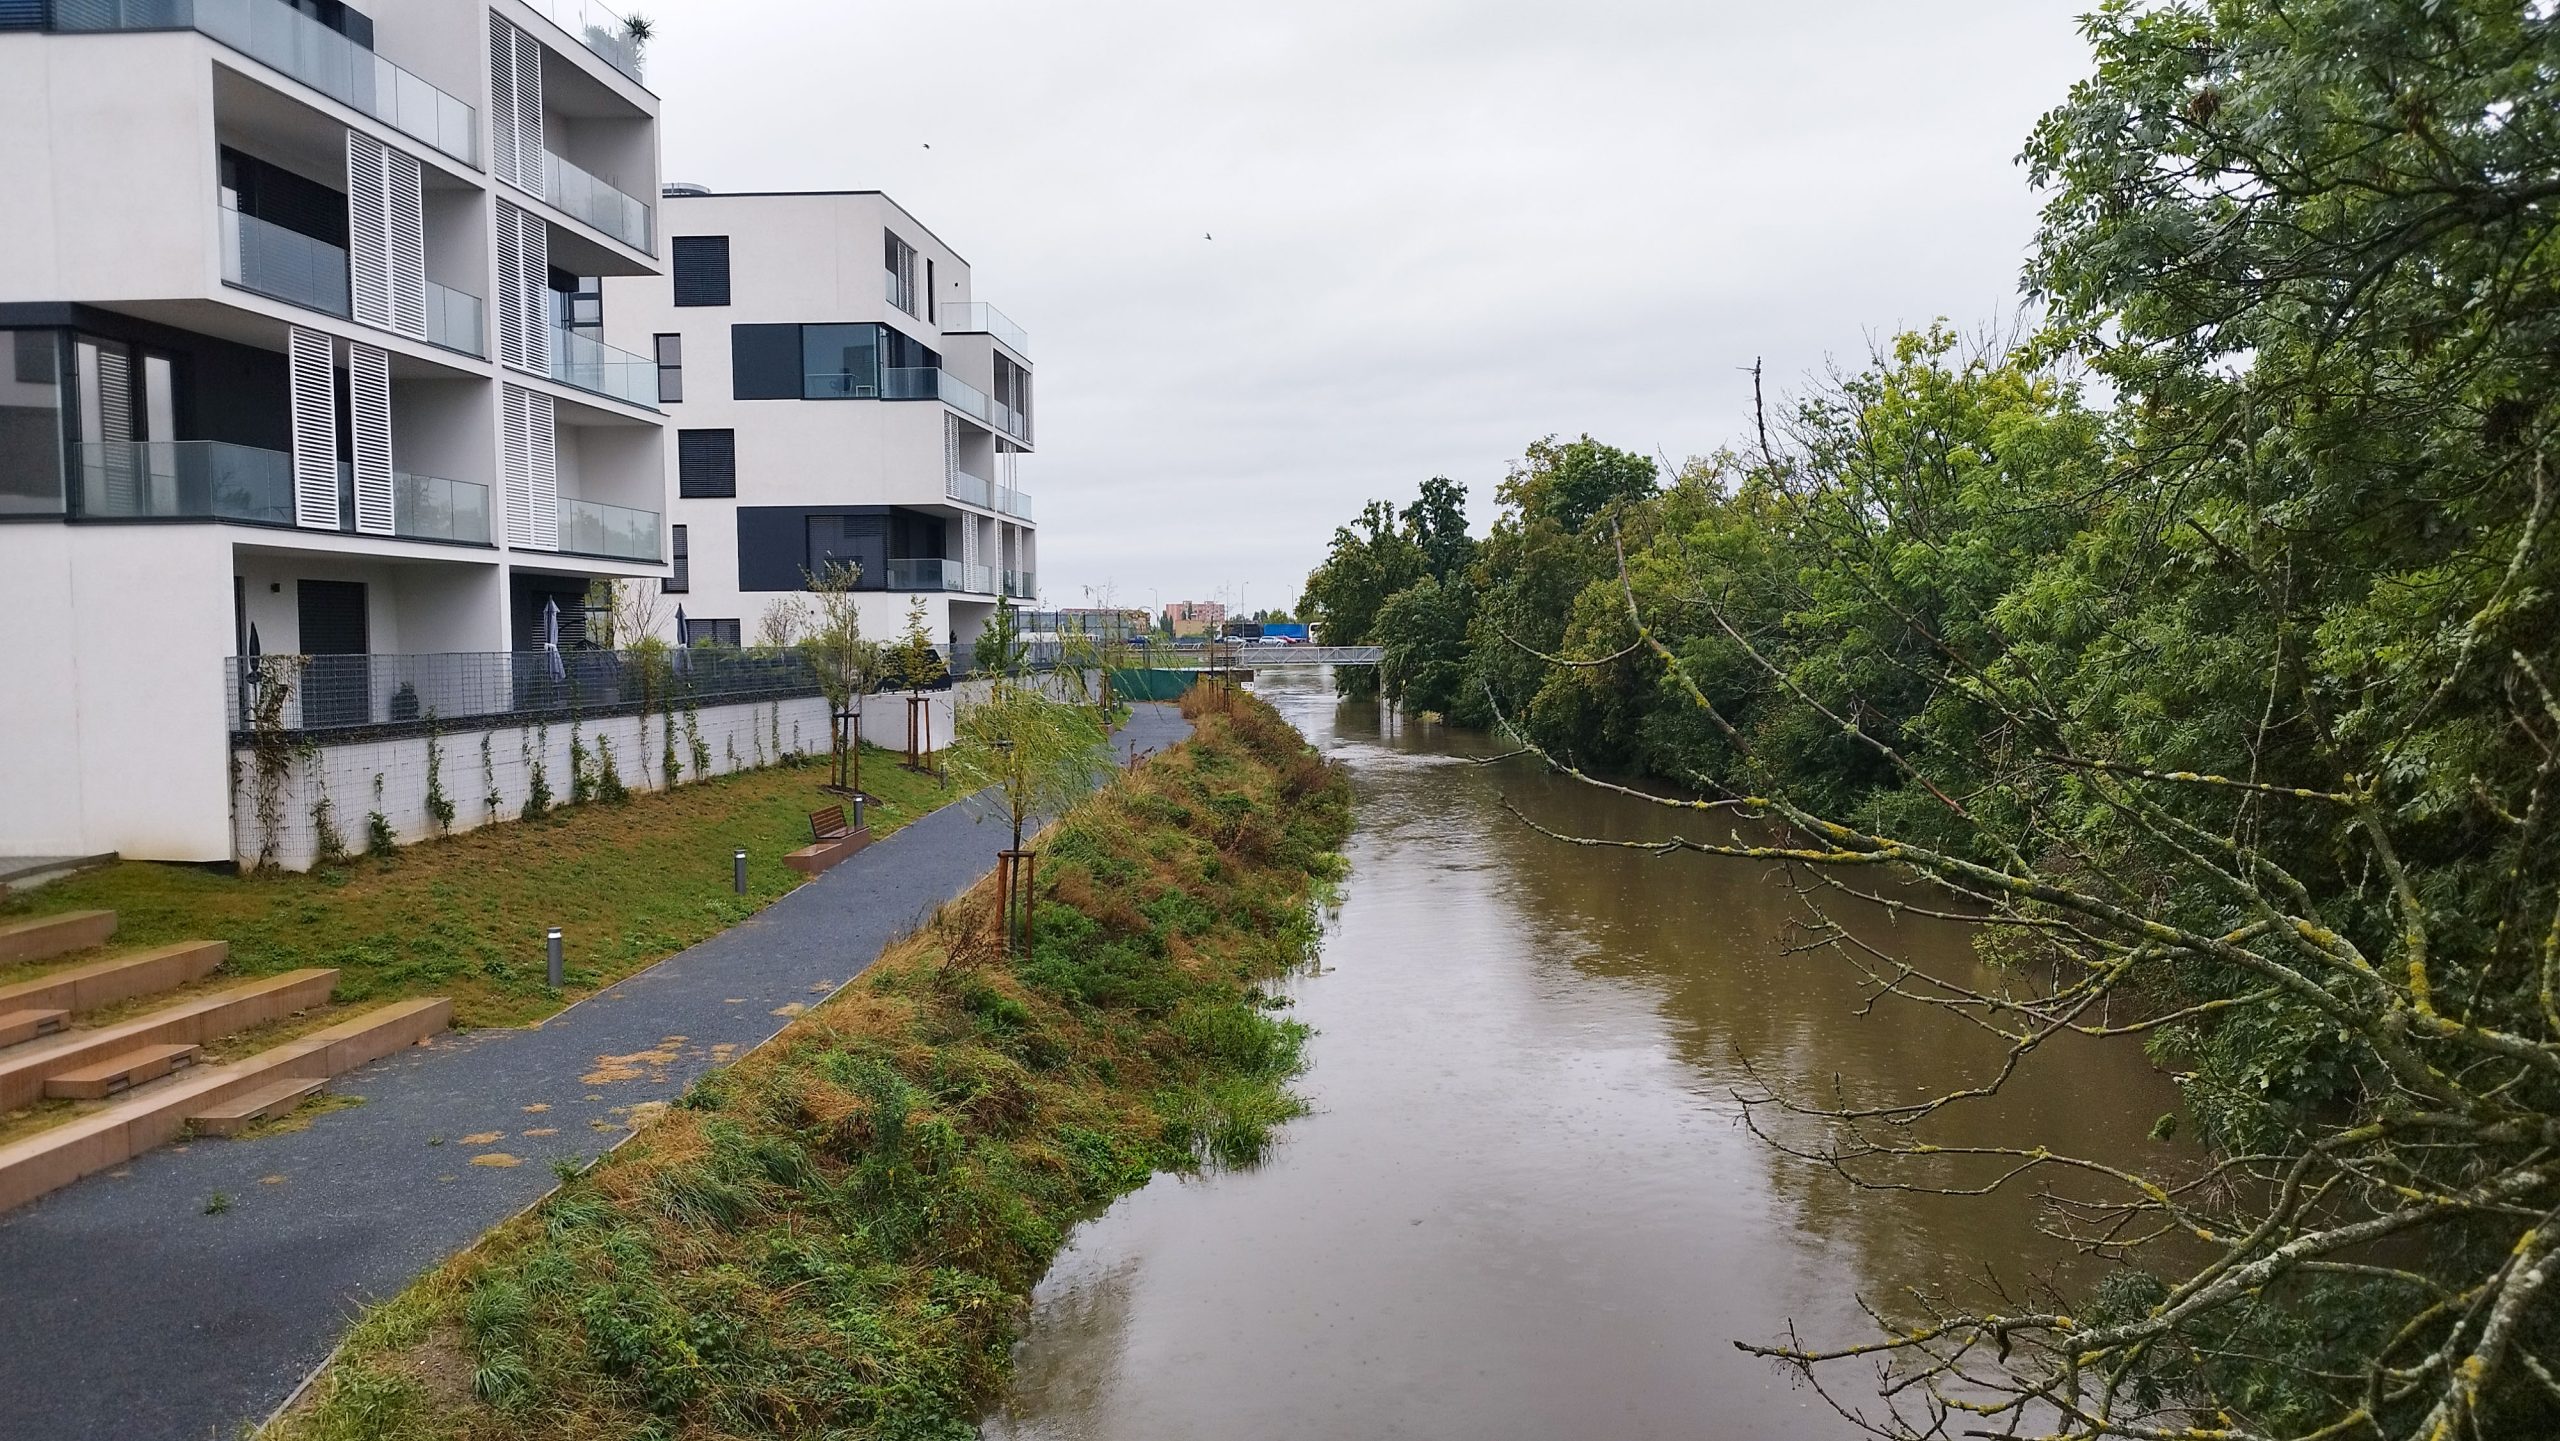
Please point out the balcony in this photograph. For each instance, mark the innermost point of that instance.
(968, 489)
(601, 205)
(976, 317)
(595, 366)
(283, 264)
(982, 580)
(1015, 503)
(614, 532)
(183, 480)
(453, 320)
(926, 383)
(284, 39)
(1021, 585)
(607, 35)
(430, 507)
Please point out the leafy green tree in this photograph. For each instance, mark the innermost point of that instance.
(1369, 561)
(1437, 522)
(1423, 634)
(1039, 754)
(999, 648)
(847, 664)
(914, 663)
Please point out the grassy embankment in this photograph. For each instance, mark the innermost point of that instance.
(631, 883)
(835, 1236)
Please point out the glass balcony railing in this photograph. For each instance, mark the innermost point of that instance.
(1020, 584)
(284, 264)
(590, 364)
(908, 574)
(977, 317)
(282, 37)
(453, 320)
(183, 480)
(603, 32)
(982, 580)
(430, 507)
(595, 202)
(960, 485)
(616, 532)
(1015, 503)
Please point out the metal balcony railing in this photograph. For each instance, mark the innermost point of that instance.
(596, 202)
(283, 38)
(589, 364)
(286, 265)
(453, 320)
(977, 317)
(430, 507)
(616, 532)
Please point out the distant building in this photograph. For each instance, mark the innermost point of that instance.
(1187, 618)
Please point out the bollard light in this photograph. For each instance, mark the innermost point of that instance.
(857, 812)
(554, 939)
(738, 871)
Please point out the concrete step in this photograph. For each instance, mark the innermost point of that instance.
(121, 1072)
(48, 936)
(134, 1124)
(24, 1068)
(118, 978)
(29, 1022)
(231, 1117)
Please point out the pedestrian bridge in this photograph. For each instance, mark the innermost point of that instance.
(1259, 657)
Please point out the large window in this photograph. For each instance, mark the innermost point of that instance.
(706, 464)
(680, 554)
(702, 269)
(31, 422)
(670, 369)
(899, 259)
(859, 361)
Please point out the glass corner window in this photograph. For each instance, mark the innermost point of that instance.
(31, 437)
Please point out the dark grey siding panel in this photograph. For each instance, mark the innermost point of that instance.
(706, 464)
(701, 265)
(21, 14)
(764, 362)
(773, 545)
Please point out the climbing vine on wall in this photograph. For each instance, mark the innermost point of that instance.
(271, 747)
(439, 805)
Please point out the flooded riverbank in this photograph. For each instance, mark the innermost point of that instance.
(1523, 1204)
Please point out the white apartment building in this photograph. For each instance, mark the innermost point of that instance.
(298, 355)
(838, 395)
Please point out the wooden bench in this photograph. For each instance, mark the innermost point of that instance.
(119, 1073)
(832, 841)
(26, 1025)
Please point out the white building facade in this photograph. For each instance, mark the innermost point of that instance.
(300, 355)
(838, 396)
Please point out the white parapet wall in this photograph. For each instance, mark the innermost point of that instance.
(486, 773)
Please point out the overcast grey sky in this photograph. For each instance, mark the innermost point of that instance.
(1441, 229)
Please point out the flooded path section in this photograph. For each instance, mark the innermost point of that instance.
(1523, 1205)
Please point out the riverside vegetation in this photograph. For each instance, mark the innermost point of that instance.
(2224, 693)
(836, 1235)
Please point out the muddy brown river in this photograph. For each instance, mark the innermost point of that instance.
(1523, 1204)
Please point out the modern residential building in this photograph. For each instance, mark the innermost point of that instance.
(300, 354)
(1186, 618)
(839, 395)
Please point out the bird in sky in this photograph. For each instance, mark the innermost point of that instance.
(1205, 235)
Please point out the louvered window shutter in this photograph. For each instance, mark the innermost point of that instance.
(510, 274)
(528, 116)
(368, 233)
(502, 100)
(369, 421)
(533, 252)
(517, 452)
(311, 365)
(405, 230)
(543, 477)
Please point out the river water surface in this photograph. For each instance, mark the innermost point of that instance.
(1523, 1204)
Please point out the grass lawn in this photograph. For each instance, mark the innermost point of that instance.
(464, 916)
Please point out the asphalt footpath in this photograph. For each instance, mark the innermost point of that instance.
(132, 1306)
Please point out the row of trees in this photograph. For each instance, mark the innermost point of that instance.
(2202, 645)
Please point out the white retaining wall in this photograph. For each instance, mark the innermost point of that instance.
(739, 737)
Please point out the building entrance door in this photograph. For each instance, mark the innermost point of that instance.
(337, 688)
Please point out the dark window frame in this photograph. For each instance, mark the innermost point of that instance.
(680, 561)
(670, 372)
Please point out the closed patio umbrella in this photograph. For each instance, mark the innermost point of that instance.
(684, 644)
(252, 675)
(551, 639)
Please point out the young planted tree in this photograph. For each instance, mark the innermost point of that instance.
(999, 649)
(914, 664)
(847, 665)
(1040, 755)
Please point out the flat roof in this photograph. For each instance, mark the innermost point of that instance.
(711, 194)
